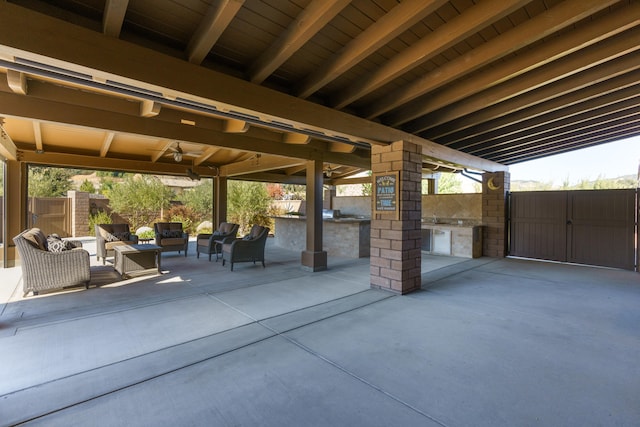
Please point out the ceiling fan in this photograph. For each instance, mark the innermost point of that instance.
(177, 153)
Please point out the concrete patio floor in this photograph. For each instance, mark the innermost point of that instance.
(495, 342)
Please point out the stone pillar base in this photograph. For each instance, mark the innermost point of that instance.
(314, 261)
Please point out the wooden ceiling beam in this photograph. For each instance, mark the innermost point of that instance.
(295, 138)
(160, 150)
(106, 143)
(235, 126)
(610, 90)
(149, 108)
(313, 18)
(259, 163)
(79, 49)
(623, 130)
(17, 82)
(554, 96)
(105, 163)
(218, 17)
(574, 113)
(557, 131)
(8, 149)
(388, 27)
(452, 32)
(37, 136)
(553, 52)
(46, 110)
(113, 17)
(204, 156)
(570, 72)
(560, 16)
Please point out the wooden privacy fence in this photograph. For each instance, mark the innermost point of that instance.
(50, 214)
(595, 227)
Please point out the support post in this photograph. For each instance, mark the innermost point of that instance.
(495, 191)
(219, 200)
(396, 234)
(314, 258)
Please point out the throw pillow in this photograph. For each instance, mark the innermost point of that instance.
(171, 233)
(56, 244)
(247, 237)
(122, 235)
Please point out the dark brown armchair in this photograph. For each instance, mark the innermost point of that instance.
(206, 242)
(249, 248)
(170, 237)
(110, 235)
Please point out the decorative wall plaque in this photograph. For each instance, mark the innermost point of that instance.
(387, 193)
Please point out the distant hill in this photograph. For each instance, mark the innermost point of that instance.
(626, 181)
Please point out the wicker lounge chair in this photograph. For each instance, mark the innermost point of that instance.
(43, 269)
(110, 235)
(206, 242)
(249, 248)
(170, 237)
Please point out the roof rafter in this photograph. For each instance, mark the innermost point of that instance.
(398, 20)
(445, 36)
(114, 12)
(590, 57)
(304, 27)
(218, 17)
(608, 26)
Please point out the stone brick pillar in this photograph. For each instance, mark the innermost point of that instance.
(495, 190)
(80, 206)
(396, 237)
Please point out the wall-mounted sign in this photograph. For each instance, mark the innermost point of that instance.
(386, 193)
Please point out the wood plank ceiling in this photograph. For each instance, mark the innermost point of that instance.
(258, 87)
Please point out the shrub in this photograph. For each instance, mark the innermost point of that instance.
(100, 217)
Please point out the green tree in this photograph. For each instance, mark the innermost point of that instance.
(449, 183)
(200, 200)
(140, 199)
(49, 182)
(87, 186)
(248, 203)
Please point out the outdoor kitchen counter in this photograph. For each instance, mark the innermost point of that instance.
(462, 240)
(345, 237)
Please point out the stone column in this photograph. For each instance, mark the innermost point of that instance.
(80, 206)
(495, 190)
(396, 237)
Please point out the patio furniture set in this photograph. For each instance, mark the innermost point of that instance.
(49, 262)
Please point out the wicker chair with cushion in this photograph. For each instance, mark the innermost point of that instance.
(50, 262)
(170, 237)
(206, 242)
(110, 235)
(248, 248)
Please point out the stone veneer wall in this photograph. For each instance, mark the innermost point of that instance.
(467, 206)
(495, 188)
(79, 213)
(353, 205)
(396, 240)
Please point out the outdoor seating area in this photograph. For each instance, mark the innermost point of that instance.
(510, 341)
(110, 235)
(210, 243)
(171, 237)
(250, 248)
(49, 262)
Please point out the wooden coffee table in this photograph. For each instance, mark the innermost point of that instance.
(137, 259)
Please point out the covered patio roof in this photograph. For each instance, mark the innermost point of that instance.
(253, 89)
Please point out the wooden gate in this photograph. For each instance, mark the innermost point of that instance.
(51, 215)
(595, 227)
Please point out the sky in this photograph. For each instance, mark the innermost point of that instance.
(609, 160)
